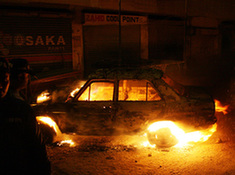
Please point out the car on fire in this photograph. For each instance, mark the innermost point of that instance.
(127, 101)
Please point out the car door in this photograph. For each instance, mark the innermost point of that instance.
(138, 104)
(92, 110)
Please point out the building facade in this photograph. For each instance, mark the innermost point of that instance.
(176, 36)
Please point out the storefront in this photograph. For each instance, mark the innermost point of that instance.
(102, 42)
(46, 42)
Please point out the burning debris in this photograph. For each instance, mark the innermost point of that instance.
(59, 136)
(43, 97)
(220, 108)
(66, 142)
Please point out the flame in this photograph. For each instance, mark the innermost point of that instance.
(74, 92)
(183, 138)
(44, 96)
(146, 143)
(196, 136)
(70, 142)
(47, 120)
(220, 108)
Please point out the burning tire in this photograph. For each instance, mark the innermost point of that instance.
(48, 133)
(162, 138)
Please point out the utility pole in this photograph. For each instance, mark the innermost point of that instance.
(186, 47)
(120, 34)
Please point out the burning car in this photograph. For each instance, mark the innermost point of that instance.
(114, 102)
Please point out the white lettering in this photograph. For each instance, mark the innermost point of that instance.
(50, 40)
(112, 18)
(39, 40)
(61, 40)
(19, 40)
(29, 40)
(130, 19)
(56, 48)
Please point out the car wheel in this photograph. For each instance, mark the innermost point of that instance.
(48, 133)
(162, 138)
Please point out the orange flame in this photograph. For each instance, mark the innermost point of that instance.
(44, 96)
(220, 108)
(74, 92)
(47, 120)
(70, 142)
(183, 138)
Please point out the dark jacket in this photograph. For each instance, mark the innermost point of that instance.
(22, 150)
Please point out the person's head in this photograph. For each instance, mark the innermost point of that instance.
(4, 77)
(19, 73)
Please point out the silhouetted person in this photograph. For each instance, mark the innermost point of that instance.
(22, 150)
(20, 78)
(4, 78)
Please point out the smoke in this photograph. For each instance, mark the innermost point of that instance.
(59, 95)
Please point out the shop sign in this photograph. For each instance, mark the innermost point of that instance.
(34, 37)
(104, 19)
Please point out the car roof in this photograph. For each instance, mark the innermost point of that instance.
(127, 73)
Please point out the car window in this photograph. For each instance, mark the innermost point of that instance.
(137, 90)
(98, 91)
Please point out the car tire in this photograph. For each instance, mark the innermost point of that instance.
(48, 133)
(162, 138)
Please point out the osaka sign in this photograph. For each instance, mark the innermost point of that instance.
(29, 36)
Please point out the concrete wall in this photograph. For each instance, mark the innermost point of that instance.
(219, 9)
